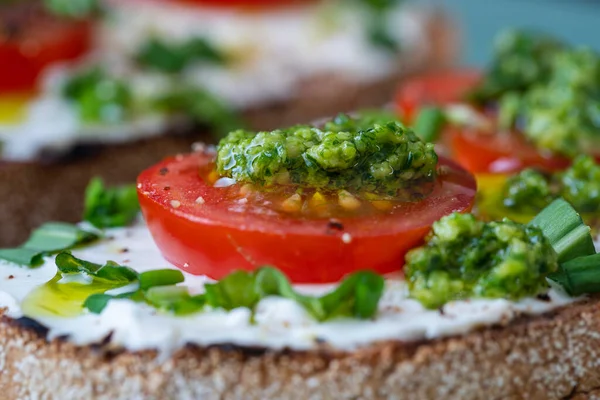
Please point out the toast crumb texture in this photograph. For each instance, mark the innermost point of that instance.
(554, 356)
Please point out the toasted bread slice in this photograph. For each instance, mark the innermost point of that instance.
(552, 356)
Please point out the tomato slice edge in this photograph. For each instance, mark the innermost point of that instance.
(306, 255)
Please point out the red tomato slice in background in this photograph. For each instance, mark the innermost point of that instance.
(37, 40)
(500, 153)
(249, 4)
(218, 236)
(434, 88)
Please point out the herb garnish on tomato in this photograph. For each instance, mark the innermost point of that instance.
(208, 224)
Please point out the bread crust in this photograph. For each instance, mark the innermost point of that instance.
(33, 193)
(553, 356)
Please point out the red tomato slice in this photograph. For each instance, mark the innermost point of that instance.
(244, 3)
(35, 41)
(435, 88)
(215, 235)
(500, 153)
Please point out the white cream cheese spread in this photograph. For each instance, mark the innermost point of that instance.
(279, 322)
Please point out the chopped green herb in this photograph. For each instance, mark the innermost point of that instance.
(110, 272)
(379, 31)
(235, 290)
(174, 58)
(202, 106)
(357, 296)
(110, 207)
(96, 303)
(99, 97)
(50, 238)
(358, 154)
(429, 123)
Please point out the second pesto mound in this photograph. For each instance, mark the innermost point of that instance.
(545, 89)
(531, 190)
(367, 154)
(466, 258)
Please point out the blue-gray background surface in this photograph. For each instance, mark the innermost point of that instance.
(577, 21)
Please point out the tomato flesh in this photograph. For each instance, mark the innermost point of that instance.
(36, 41)
(479, 152)
(500, 153)
(246, 4)
(435, 88)
(202, 231)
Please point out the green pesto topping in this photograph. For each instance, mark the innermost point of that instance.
(563, 114)
(358, 154)
(466, 258)
(547, 90)
(580, 185)
(530, 190)
(521, 59)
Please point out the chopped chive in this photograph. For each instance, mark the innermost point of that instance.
(429, 123)
(579, 276)
(569, 235)
(160, 277)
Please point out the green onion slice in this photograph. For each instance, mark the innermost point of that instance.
(569, 235)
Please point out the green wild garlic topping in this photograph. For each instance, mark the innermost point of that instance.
(466, 258)
(356, 296)
(175, 57)
(531, 190)
(562, 114)
(101, 98)
(358, 154)
(521, 59)
(50, 238)
(547, 90)
(108, 207)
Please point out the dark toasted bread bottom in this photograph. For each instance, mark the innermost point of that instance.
(553, 356)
